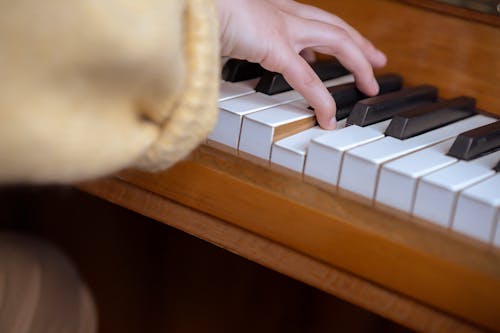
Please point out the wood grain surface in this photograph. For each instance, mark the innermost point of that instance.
(459, 11)
(431, 265)
(278, 257)
(298, 126)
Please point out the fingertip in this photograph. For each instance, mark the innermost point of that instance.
(328, 123)
(380, 59)
(375, 87)
(326, 114)
(376, 57)
(332, 124)
(370, 87)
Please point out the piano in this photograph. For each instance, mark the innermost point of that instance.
(398, 214)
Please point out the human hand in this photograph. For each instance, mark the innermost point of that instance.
(274, 32)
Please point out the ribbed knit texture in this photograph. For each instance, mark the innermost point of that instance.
(195, 116)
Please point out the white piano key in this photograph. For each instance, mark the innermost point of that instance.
(325, 153)
(291, 151)
(226, 129)
(228, 90)
(232, 111)
(478, 208)
(437, 192)
(260, 129)
(361, 165)
(230, 116)
(398, 179)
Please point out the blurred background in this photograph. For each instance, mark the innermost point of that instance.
(149, 277)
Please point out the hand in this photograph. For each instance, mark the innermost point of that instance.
(274, 32)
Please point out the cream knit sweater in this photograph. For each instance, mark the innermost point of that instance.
(89, 87)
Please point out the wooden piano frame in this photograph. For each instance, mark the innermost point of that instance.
(423, 277)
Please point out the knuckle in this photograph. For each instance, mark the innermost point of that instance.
(341, 36)
(273, 62)
(310, 79)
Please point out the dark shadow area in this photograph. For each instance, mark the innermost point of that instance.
(148, 277)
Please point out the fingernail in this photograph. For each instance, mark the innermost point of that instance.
(332, 124)
(376, 86)
(382, 58)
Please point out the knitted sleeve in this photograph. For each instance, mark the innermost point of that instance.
(89, 87)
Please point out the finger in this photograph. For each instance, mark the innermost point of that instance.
(299, 74)
(376, 57)
(335, 41)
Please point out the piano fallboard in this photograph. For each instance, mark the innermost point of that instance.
(445, 270)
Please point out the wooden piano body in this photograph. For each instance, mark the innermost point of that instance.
(421, 276)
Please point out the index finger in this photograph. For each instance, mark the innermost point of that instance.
(302, 78)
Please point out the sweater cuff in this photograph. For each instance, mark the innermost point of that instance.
(194, 117)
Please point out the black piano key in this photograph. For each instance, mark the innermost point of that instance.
(236, 70)
(273, 83)
(379, 108)
(477, 142)
(425, 118)
(497, 167)
(346, 95)
(343, 113)
(389, 83)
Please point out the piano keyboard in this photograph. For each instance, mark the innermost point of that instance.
(435, 160)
